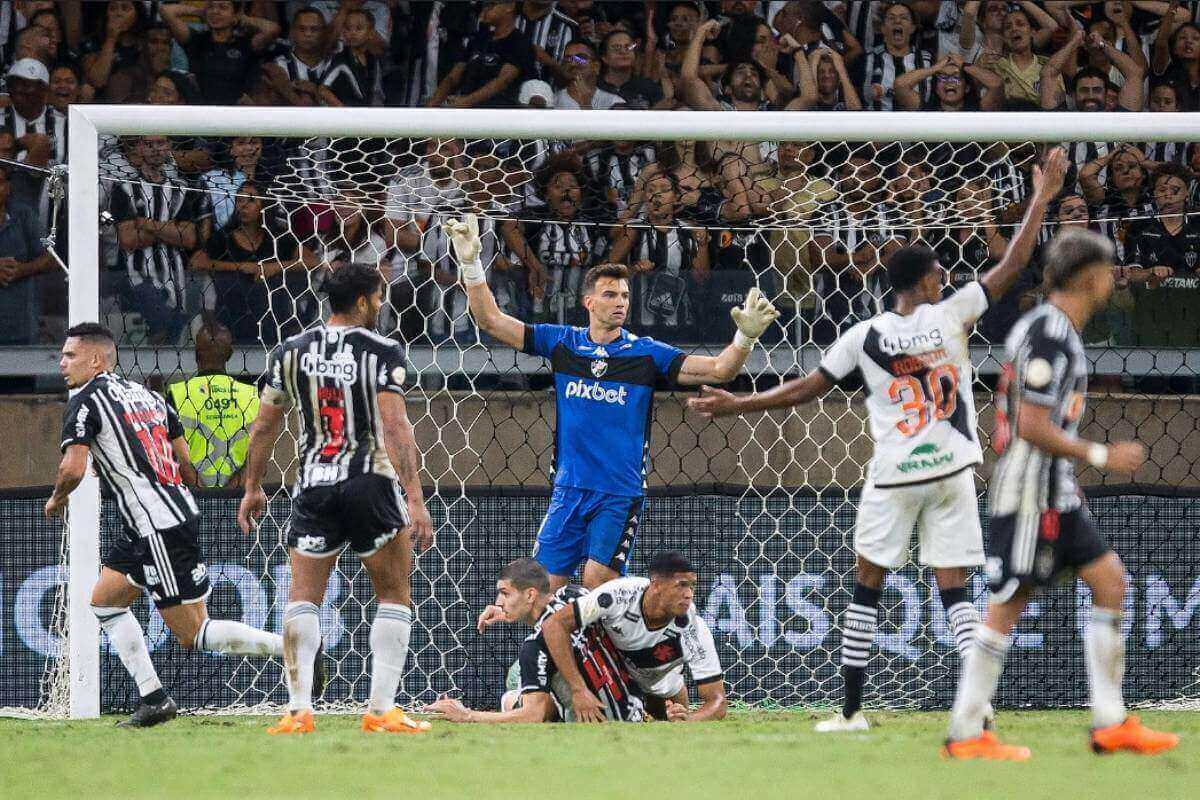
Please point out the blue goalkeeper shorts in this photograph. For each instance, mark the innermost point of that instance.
(582, 523)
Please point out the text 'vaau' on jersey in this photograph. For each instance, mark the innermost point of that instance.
(916, 371)
(604, 401)
(129, 430)
(334, 376)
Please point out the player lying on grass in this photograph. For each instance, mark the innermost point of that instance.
(358, 486)
(604, 379)
(1040, 525)
(656, 629)
(523, 595)
(916, 368)
(138, 449)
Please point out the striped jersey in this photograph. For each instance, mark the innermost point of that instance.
(916, 370)
(129, 430)
(1047, 367)
(598, 661)
(334, 375)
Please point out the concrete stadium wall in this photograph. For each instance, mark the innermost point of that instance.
(505, 438)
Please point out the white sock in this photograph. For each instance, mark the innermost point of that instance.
(301, 639)
(977, 683)
(964, 622)
(1105, 646)
(126, 637)
(389, 650)
(226, 637)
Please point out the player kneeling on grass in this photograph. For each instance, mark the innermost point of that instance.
(654, 625)
(137, 446)
(1040, 525)
(523, 595)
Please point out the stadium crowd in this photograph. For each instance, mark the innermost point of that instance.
(244, 228)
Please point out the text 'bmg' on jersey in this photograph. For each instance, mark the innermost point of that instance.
(335, 375)
(604, 397)
(129, 430)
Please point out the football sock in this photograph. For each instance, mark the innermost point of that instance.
(963, 618)
(1105, 646)
(226, 636)
(977, 683)
(859, 622)
(125, 635)
(301, 639)
(389, 650)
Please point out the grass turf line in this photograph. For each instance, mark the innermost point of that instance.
(750, 756)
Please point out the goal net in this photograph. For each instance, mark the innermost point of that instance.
(254, 210)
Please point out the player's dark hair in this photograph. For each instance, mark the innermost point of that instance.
(909, 265)
(346, 284)
(1091, 72)
(670, 562)
(91, 332)
(1071, 251)
(525, 573)
(617, 271)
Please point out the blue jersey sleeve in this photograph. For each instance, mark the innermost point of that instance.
(540, 339)
(667, 358)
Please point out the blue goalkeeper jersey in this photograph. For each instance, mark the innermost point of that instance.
(603, 395)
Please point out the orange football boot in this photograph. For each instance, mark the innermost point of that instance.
(294, 722)
(1133, 736)
(394, 721)
(987, 747)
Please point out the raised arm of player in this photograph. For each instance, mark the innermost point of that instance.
(464, 236)
(1047, 183)
(557, 633)
(402, 452)
(263, 434)
(720, 403)
(70, 472)
(535, 707)
(752, 319)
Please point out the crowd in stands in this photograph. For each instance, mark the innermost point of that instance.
(245, 227)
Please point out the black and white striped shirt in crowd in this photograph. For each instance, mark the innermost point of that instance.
(50, 122)
(609, 169)
(355, 84)
(1047, 367)
(129, 431)
(883, 68)
(560, 244)
(1081, 153)
(553, 32)
(334, 375)
(169, 201)
(1166, 152)
(860, 23)
(298, 70)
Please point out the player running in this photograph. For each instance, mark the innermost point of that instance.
(138, 449)
(604, 380)
(916, 367)
(356, 439)
(1040, 525)
(523, 595)
(656, 628)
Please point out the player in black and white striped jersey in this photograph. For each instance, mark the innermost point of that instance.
(136, 443)
(357, 452)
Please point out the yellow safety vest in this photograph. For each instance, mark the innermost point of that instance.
(216, 412)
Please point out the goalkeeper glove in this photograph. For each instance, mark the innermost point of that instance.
(464, 236)
(752, 318)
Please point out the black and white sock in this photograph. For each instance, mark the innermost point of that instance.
(963, 618)
(859, 622)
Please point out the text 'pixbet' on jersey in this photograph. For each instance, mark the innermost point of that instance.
(597, 391)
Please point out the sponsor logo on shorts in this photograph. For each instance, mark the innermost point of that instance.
(310, 543)
(199, 573)
(925, 456)
(596, 391)
(152, 578)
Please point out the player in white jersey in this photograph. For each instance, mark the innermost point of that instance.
(654, 625)
(1040, 526)
(916, 368)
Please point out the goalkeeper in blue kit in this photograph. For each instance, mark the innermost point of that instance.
(604, 380)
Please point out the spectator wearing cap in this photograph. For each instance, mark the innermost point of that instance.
(582, 69)
(535, 94)
(22, 257)
(498, 59)
(40, 130)
(223, 54)
(618, 59)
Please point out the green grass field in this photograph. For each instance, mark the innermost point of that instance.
(749, 756)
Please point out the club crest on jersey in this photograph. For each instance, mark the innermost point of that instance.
(341, 368)
(599, 367)
(893, 345)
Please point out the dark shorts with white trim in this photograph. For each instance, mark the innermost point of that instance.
(1037, 550)
(168, 564)
(364, 512)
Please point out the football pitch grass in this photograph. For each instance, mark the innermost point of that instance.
(751, 755)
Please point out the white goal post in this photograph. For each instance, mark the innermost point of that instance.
(88, 123)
